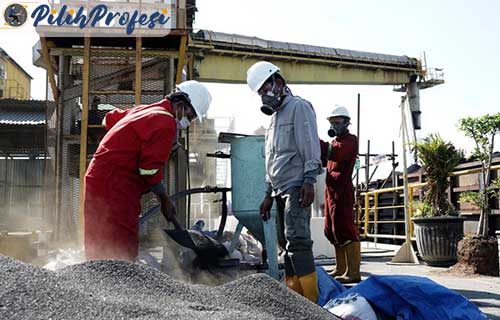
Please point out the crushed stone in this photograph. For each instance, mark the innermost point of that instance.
(110, 289)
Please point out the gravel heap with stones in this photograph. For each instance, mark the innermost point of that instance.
(120, 290)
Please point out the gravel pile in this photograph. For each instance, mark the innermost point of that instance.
(120, 290)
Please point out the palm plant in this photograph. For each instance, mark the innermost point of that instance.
(439, 158)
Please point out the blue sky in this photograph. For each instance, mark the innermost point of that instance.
(462, 37)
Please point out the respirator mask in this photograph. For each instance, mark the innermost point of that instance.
(183, 123)
(337, 129)
(271, 100)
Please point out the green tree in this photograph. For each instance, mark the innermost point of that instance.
(439, 158)
(483, 131)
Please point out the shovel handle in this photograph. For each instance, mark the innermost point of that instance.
(175, 222)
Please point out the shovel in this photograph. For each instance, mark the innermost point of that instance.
(208, 250)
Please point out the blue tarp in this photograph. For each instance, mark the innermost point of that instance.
(403, 297)
(329, 288)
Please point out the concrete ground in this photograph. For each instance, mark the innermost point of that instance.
(484, 291)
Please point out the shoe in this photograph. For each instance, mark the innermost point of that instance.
(341, 264)
(293, 283)
(353, 254)
(309, 284)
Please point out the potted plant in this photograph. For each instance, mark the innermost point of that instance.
(437, 226)
(478, 253)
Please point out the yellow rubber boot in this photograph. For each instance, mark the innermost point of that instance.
(341, 264)
(309, 284)
(293, 283)
(353, 253)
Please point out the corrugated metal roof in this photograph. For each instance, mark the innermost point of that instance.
(24, 112)
(22, 118)
(235, 40)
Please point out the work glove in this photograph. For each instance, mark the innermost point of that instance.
(167, 207)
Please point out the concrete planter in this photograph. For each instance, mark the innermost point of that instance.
(437, 239)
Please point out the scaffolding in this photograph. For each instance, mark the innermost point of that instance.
(89, 77)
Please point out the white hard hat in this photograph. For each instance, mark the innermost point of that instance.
(339, 111)
(258, 73)
(198, 94)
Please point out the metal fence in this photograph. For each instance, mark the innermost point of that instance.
(372, 207)
(23, 191)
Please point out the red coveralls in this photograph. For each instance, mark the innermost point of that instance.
(339, 193)
(128, 161)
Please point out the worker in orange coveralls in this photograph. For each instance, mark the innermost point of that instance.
(339, 157)
(128, 163)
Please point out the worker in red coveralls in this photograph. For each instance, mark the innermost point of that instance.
(339, 156)
(128, 163)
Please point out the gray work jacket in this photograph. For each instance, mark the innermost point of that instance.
(293, 154)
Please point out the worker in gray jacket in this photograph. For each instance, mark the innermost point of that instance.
(292, 164)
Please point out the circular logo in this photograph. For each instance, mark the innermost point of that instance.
(15, 15)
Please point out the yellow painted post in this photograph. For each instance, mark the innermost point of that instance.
(367, 212)
(181, 60)
(358, 210)
(138, 70)
(83, 134)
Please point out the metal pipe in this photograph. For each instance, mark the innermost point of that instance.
(356, 188)
(367, 165)
(375, 217)
(405, 172)
(372, 174)
(188, 173)
(138, 70)
(415, 185)
(471, 171)
(395, 195)
(387, 236)
(375, 154)
(387, 207)
(147, 215)
(367, 212)
(83, 132)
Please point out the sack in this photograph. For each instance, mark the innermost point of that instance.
(352, 307)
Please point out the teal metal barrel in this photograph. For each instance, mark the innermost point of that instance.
(248, 187)
(248, 182)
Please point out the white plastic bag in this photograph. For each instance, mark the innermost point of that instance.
(352, 307)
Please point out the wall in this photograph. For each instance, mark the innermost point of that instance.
(17, 84)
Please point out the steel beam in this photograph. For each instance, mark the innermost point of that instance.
(307, 72)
